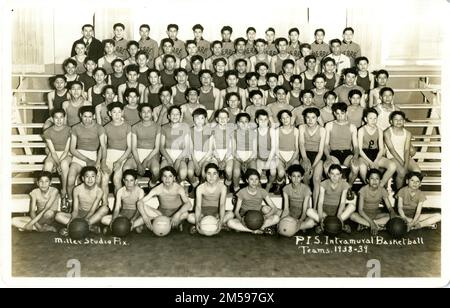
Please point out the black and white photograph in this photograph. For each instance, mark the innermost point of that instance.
(239, 139)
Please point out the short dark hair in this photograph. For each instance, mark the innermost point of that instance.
(165, 88)
(261, 112)
(130, 43)
(58, 110)
(197, 26)
(251, 172)
(280, 113)
(211, 166)
(348, 29)
(42, 174)
(144, 26)
(294, 30)
(243, 115)
(167, 168)
(119, 24)
(87, 26)
(255, 92)
(328, 93)
(108, 86)
(115, 105)
(319, 30)
(197, 58)
(250, 29)
(169, 26)
(84, 109)
(303, 92)
(215, 61)
(199, 111)
(395, 113)
(335, 167)
(339, 106)
(335, 41)
(117, 60)
(143, 105)
(131, 90)
(239, 40)
(226, 28)
(419, 175)
(131, 172)
(353, 92)
(359, 59)
(132, 68)
(87, 169)
(167, 40)
(373, 171)
(350, 70)
(295, 168)
(314, 110)
(191, 89)
(385, 89)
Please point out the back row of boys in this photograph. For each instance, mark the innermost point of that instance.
(280, 49)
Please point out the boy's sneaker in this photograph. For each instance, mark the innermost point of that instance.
(270, 231)
(95, 229)
(433, 226)
(347, 229)
(361, 228)
(64, 232)
(319, 230)
(350, 195)
(193, 230)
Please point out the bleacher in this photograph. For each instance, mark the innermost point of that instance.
(421, 101)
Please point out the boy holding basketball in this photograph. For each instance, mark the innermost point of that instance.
(126, 200)
(173, 201)
(251, 198)
(86, 202)
(210, 201)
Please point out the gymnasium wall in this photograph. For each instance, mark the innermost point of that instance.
(391, 34)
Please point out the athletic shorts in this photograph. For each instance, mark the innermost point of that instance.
(112, 156)
(143, 153)
(312, 156)
(286, 155)
(221, 153)
(371, 153)
(168, 212)
(341, 155)
(89, 154)
(82, 214)
(330, 210)
(174, 154)
(198, 155)
(210, 210)
(244, 155)
(128, 213)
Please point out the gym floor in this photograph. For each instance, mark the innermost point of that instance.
(229, 254)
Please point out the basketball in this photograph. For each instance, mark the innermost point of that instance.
(208, 225)
(397, 227)
(161, 225)
(121, 226)
(78, 229)
(287, 226)
(332, 225)
(254, 220)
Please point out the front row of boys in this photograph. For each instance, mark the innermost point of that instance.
(94, 147)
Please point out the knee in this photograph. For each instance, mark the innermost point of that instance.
(49, 214)
(310, 212)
